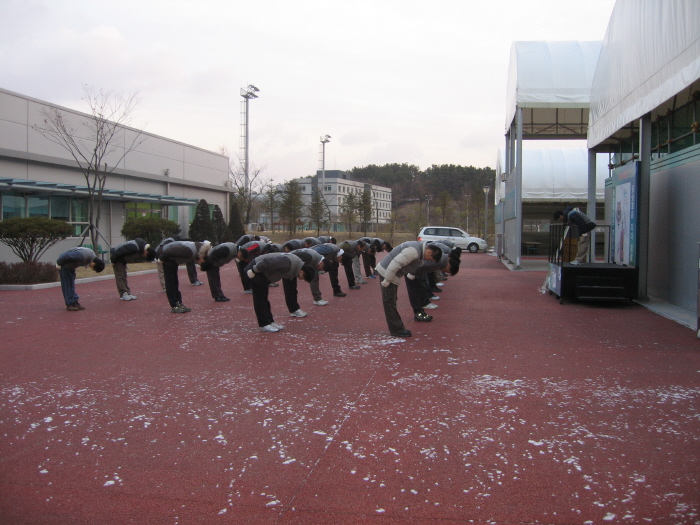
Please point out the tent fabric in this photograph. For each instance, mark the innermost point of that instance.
(651, 52)
(550, 75)
(556, 175)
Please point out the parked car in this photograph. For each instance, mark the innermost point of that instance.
(458, 237)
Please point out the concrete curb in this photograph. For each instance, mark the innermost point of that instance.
(41, 286)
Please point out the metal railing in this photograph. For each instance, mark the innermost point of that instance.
(563, 250)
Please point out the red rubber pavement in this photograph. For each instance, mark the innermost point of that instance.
(507, 408)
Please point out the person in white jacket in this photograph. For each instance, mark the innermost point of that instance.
(405, 259)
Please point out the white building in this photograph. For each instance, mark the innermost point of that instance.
(160, 177)
(338, 187)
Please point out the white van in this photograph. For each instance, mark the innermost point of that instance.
(458, 237)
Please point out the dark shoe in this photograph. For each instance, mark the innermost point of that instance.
(80, 306)
(339, 294)
(423, 317)
(178, 310)
(72, 307)
(355, 287)
(222, 299)
(197, 283)
(403, 333)
(184, 307)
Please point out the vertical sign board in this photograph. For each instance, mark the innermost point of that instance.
(624, 214)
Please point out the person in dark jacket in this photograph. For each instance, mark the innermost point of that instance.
(406, 258)
(332, 253)
(219, 255)
(68, 262)
(579, 225)
(246, 253)
(121, 255)
(172, 254)
(270, 268)
(351, 252)
(320, 263)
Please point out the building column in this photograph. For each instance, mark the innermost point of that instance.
(643, 204)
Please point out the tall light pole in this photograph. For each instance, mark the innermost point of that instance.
(486, 211)
(427, 198)
(247, 93)
(324, 140)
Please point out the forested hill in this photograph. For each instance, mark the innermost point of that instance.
(410, 182)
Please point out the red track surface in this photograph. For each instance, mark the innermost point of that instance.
(507, 408)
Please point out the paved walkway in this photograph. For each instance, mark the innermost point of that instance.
(507, 408)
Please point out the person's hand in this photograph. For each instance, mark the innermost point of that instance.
(251, 274)
(410, 276)
(385, 283)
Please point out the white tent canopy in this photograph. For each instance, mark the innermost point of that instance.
(651, 53)
(551, 82)
(551, 175)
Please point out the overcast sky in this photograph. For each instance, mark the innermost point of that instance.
(421, 82)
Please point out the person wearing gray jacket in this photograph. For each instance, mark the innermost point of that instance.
(405, 259)
(68, 262)
(270, 268)
(317, 261)
(172, 254)
(128, 252)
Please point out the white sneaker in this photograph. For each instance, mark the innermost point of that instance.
(440, 284)
(278, 326)
(575, 263)
(435, 298)
(269, 328)
(321, 302)
(430, 306)
(298, 313)
(248, 291)
(126, 297)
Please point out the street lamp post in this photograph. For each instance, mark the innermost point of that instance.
(324, 140)
(486, 212)
(427, 198)
(247, 93)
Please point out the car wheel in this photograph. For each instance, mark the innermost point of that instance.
(473, 248)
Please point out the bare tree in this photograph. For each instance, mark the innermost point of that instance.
(245, 195)
(102, 136)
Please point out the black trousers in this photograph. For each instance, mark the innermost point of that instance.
(245, 280)
(214, 278)
(261, 304)
(391, 312)
(349, 273)
(291, 294)
(192, 272)
(367, 263)
(333, 276)
(172, 283)
(417, 294)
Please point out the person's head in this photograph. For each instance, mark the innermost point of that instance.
(333, 240)
(325, 265)
(456, 253)
(559, 216)
(307, 273)
(203, 251)
(308, 243)
(387, 246)
(433, 253)
(97, 264)
(149, 252)
(361, 246)
(453, 266)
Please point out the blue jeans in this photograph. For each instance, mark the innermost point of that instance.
(68, 285)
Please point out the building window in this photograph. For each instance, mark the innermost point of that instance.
(12, 205)
(136, 210)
